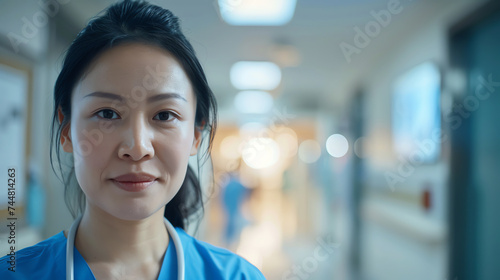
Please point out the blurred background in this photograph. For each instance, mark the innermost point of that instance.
(356, 139)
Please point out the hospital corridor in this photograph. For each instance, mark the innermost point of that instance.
(355, 140)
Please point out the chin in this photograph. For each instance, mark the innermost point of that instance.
(134, 213)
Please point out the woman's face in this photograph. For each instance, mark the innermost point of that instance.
(133, 114)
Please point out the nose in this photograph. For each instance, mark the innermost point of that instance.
(137, 141)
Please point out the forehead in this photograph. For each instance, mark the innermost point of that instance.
(135, 67)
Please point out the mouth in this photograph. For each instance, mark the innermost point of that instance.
(133, 186)
(134, 182)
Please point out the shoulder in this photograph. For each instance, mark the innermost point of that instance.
(217, 262)
(34, 259)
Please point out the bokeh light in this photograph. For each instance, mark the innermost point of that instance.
(309, 151)
(260, 152)
(337, 145)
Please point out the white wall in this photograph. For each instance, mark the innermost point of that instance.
(400, 240)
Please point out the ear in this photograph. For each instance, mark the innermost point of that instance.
(65, 133)
(197, 139)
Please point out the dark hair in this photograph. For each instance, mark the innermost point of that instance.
(125, 22)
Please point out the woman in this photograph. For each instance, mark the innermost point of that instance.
(131, 106)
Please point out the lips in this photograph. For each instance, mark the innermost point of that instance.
(134, 182)
(135, 177)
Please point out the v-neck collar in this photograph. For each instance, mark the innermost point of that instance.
(168, 268)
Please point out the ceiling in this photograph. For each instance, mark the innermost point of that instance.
(322, 79)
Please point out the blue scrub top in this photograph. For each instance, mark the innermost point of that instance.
(47, 260)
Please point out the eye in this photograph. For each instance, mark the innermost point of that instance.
(106, 114)
(163, 116)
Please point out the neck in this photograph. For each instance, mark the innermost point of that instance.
(102, 238)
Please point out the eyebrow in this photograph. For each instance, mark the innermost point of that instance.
(155, 98)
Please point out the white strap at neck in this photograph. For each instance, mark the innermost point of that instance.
(70, 244)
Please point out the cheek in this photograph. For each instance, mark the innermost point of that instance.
(173, 150)
(92, 149)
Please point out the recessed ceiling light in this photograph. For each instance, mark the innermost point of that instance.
(257, 12)
(253, 102)
(256, 75)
